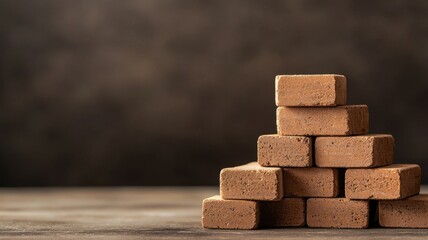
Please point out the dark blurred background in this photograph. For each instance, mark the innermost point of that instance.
(169, 92)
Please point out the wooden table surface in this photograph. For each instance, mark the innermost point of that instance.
(140, 213)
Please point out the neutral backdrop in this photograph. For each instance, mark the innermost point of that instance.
(108, 92)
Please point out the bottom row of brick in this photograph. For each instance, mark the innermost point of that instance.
(315, 212)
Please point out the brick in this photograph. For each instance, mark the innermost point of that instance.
(354, 151)
(311, 182)
(395, 181)
(288, 212)
(325, 121)
(310, 90)
(251, 182)
(337, 213)
(407, 213)
(230, 214)
(284, 151)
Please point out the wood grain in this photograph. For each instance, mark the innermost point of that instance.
(139, 213)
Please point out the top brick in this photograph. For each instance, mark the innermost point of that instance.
(310, 90)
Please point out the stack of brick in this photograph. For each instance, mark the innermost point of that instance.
(321, 169)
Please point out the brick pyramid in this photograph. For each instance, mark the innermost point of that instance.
(322, 168)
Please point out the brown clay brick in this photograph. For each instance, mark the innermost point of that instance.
(251, 182)
(337, 213)
(288, 212)
(323, 121)
(395, 181)
(411, 212)
(284, 151)
(354, 151)
(311, 182)
(310, 90)
(230, 214)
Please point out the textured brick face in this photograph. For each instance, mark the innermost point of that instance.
(251, 182)
(337, 213)
(288, 212)
(354, 151)
(395, 181)
(407, 213)
(326, 121)
(310, 90)
(311, 182)
(230, 214)
(284, 151)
